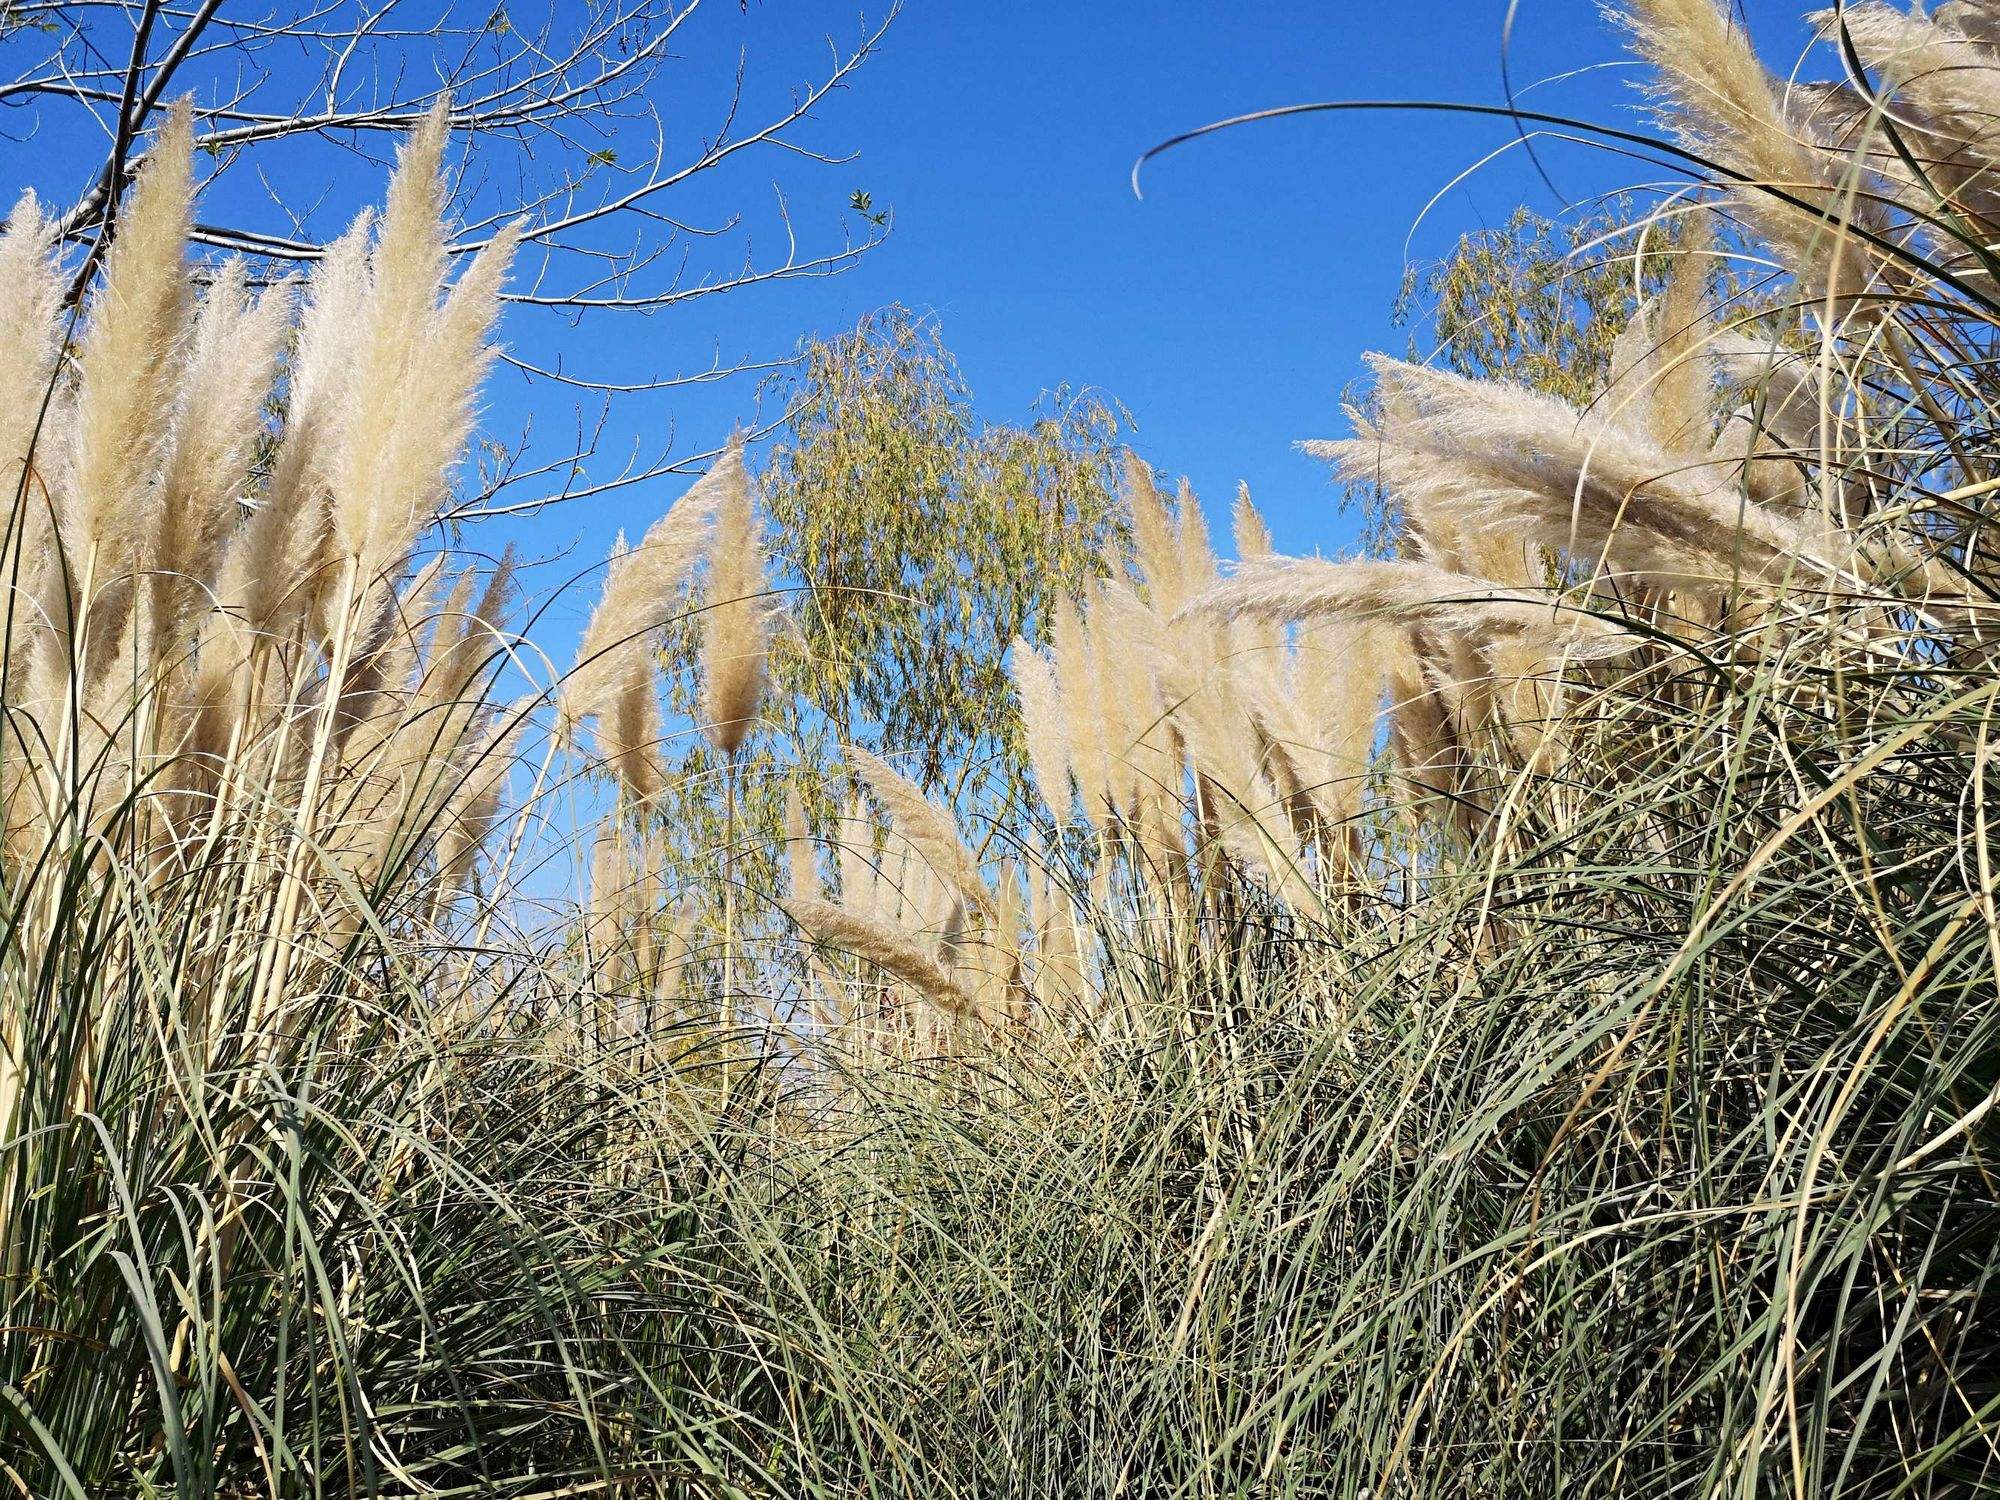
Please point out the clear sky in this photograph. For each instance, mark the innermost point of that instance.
(1227, 309)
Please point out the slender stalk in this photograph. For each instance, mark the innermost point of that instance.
(726, 1001)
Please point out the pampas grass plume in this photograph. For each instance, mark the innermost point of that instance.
(127, 361)
(927, 827)
(642, 588)
(884, 945)
(736, 623)
(1043, 726)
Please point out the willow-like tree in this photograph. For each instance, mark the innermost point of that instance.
(1541, 301)
(911, 541)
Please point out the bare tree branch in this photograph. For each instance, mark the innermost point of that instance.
(588, 127)
(554, 103)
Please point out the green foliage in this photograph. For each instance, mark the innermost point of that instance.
(923, 540)
(911, 541)
(863, 203)
(1538, 301)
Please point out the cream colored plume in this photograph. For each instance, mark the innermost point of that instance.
(1496, 456)
(1663, 365)
(1219, 733)
(929, 828)
(1337, 673)
(1124, 633)
(854, 855)
(275, 568)
(1001, 984)
(127, 361)
(1155, 536)
(1977, 21)
(1083, 719)
(196, 571)
(1422, 737)
(420, 355)
(475, 805)
(898, 953)
(1197, 555)
(629, 731)
(1124, 701)
(1253, 537)
(1059, 975)
(31, 291)
(217, 419)
(801, 868)
(642, 585)
(1724, 105)
(1253, 541)
(470, 634)
(1787, 393)
(1941, 80)
(1043, 725)
(735, 638)
(1405, 593)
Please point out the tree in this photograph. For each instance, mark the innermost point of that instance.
(925, 541)
(914, 542)
(1539, 301)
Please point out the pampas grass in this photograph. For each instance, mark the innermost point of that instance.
(801, 868)
(889, 948)
(1662, 365)
(231, 363)
(1155, 536)
(734, 644)
(1517, 1020)
(1716, 96)
(1406, 593)
(930, 829)
(117, 423)
(735, 624)
(31, 291)
(274, 571)
(642, 594)
(1043, 724)
(1491, 455)
(1939, 92)
(178, 618)
(419, 356)
(1076, 669)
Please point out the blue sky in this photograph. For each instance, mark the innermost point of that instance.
(1227, 309)
(1230, 306)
